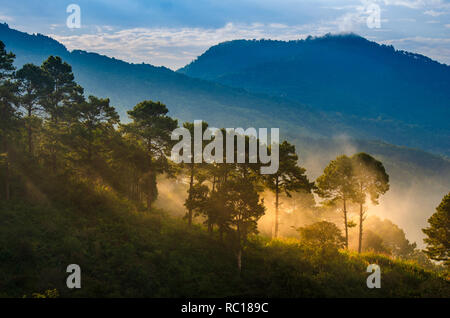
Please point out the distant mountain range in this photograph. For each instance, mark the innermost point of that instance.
(328, 95)
(318, 87)
(308, 125)
(343, 74)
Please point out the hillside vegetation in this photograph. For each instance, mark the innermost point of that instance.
(126, 253)
(79, 186)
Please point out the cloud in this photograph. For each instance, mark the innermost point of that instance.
(417, 4)
(434, 13)
(175, 47)
(435, 48)
(6, 18)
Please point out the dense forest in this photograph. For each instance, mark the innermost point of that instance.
(78, 186)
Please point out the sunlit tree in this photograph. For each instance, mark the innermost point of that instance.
(289, 177)
(337, 184)
(323, 234)
(371, 181)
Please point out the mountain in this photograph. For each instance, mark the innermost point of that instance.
(127, 84)
(419, 179)
(386, 90)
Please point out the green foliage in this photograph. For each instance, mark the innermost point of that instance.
(393, 238)
(289, 177)
(77, 196)
(374, 242)
(323, 235)
(151, 128)
(337, 183)
(7, 91)
(371, 181)
(64, 90)
(127, 254)
(370, 177)
(438, 233)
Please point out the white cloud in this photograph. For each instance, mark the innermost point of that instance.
(418, 4)
(435, 48)
(175, 47)
(5, 18)
(434, 13)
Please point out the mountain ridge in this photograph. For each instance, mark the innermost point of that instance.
(347, 74)
(316, 134)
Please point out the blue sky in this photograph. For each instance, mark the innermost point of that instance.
(172, 33)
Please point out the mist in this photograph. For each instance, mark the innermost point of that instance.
(411, 200)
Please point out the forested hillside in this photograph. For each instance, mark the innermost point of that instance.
(80, 186)
(345, 74)
(418, 178)
(305, 115)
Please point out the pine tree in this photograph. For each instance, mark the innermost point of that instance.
(371, 180)
(8, 113)
(152, 128)
(438, 233)
(289, 177)
(337, 183)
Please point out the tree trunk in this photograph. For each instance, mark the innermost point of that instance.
(276, 209)
(7, 184)
(30, 133)
(239, 260)
(53, 147)
(191, 184)
(150, 194)
(149, 203)
(360, 227)
(239, 253)
(210, 227)
(346, 225)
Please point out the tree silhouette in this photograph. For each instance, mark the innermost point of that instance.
(371, 180)
(34, 85)
(289, 177)
(193, 168)
(8, 112)
(337, 183)
(64, 94)
(94, 119)
(438, 233)
(244, 208)
(152, 128)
